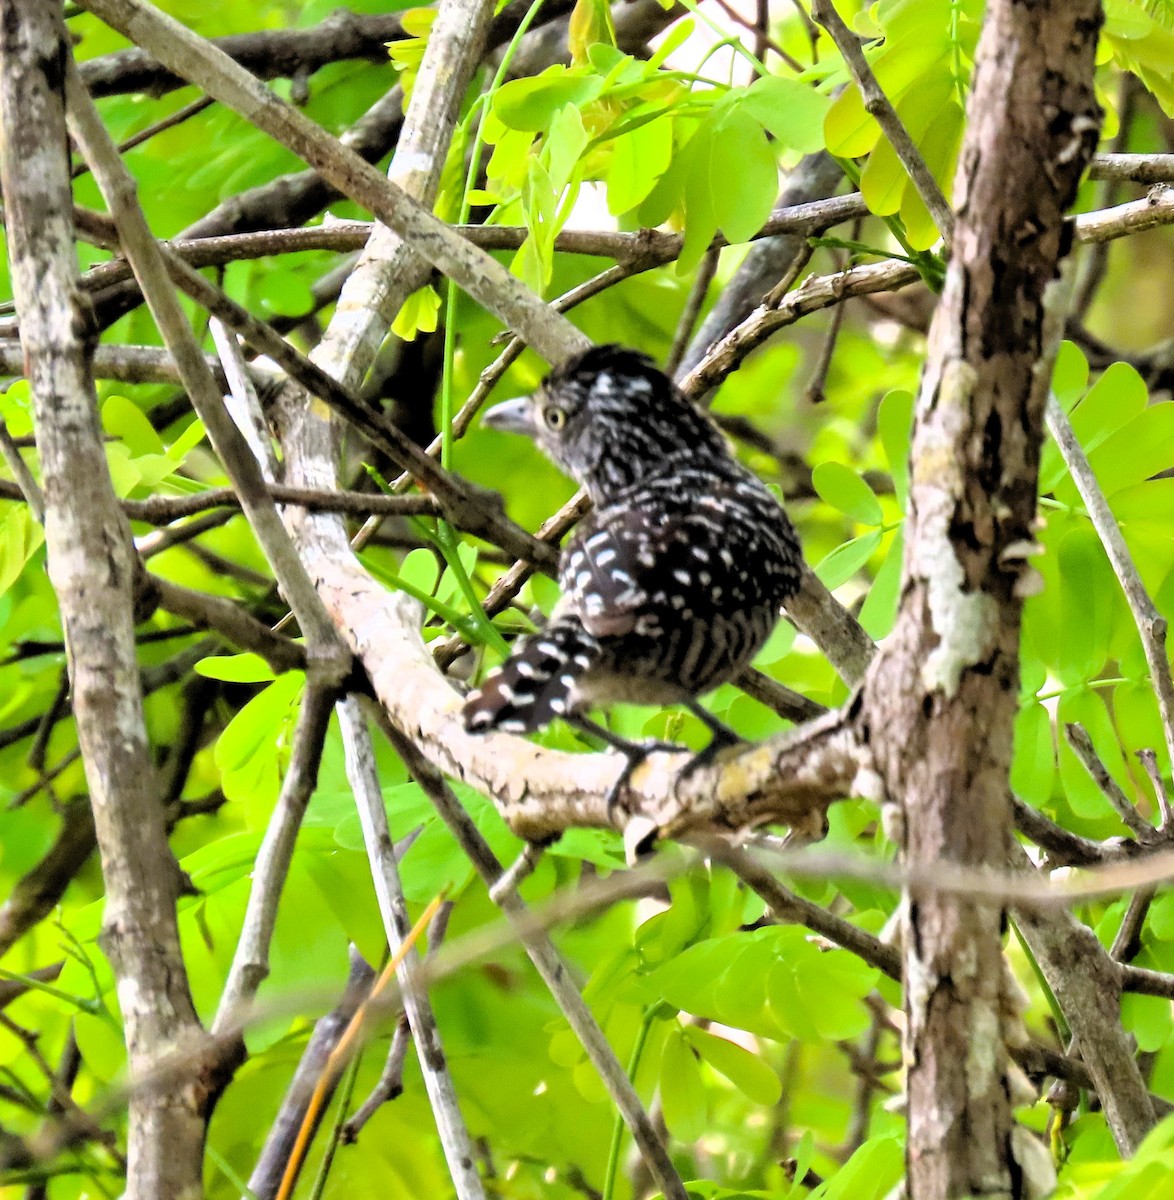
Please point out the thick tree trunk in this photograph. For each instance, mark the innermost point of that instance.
(91, 565)
(940, 699)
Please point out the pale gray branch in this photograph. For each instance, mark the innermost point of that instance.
(364, 780)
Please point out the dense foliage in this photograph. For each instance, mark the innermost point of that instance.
(770, 1054)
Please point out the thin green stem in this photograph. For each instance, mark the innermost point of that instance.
(1092, 683)
(444, 538)
(1049, 995)
(930, 265)
(477, 113)
(345, 1091)
(93, 1007)
(734, 43)
(464, 625)
(617, 1133)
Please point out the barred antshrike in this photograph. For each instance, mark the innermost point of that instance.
(672, 584)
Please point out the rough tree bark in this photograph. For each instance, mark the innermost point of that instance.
(940, 700)
(92, 568)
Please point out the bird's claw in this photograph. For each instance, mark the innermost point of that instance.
(635, 753)
(703, 758)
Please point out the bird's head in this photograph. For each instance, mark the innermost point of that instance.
(608, 417)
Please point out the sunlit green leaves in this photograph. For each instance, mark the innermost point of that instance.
(682, 1091)
(844, 489)
(137, 455)
(531, 104)
(773, 982)
(746, 1071)
(923, 65)
(651, 138)
(1141, 36)
(253, 748)
(407, 53)
(788, 110)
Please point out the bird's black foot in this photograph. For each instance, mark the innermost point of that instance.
(634, 753)
(723, 738)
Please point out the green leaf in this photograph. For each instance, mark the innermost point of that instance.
(872, 1172)
(1090, 598)
(101, 1043)
(848, 130)
(1140, 448)
(845, 560)
(420, 314)
(894, 423)
(743, 176)
(845, 490)
(1118, 396)
(939, 149)
(746, 1071)
(530, 104)
(251, 749)
(879, 611)
(679, 33)
(123, 419)
(639, 159)
(1070, 375)
(590, 22)
(564, 146)
(682, 1092)
(235, 668)
(791, 111)
(1148, 1018)
(21, 536)
(1033, 762)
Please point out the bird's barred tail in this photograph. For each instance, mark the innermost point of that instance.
(533, 685)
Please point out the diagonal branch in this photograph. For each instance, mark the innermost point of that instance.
(549, 965)
(879, 106)
(481, 276)
(145, 256)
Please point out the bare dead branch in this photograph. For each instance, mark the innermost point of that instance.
(328, 660)
(92, 568)
(364, 781)
(481, 276)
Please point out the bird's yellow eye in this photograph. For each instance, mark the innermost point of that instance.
(554, 417)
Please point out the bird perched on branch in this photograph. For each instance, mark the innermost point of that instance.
(670, 586)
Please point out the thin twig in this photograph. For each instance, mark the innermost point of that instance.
(1149, 760)
(118, 188)
(1151, 625)
(1084, 750)
(693, 305)
(879, 106)
(161, 126)
(481, 276)
(364, 780)
(250, 960)
(390, 1084)
(655, 247)
(28, 487)
(221, 615)
(763, 40)
(549, 965)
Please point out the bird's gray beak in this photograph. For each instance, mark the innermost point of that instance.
(511, 416)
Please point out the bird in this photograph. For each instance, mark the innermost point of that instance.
(673, 582)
